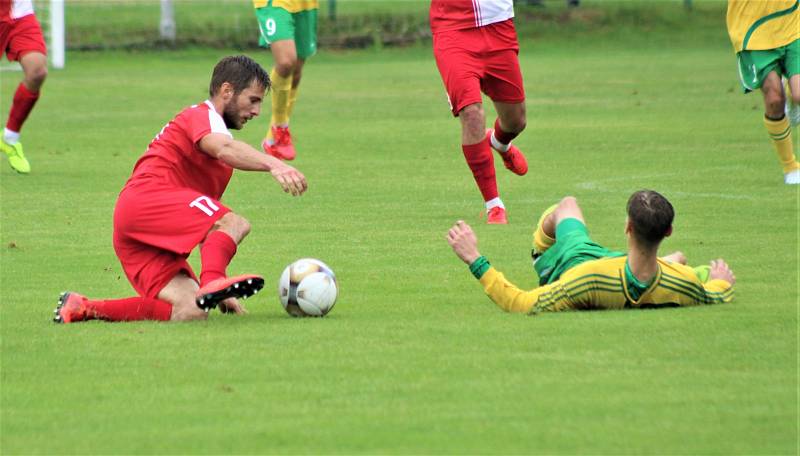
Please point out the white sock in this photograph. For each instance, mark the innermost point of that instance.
(494, 202)
(497, 145)
(10, 137)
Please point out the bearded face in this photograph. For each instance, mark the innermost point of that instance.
(243, 106)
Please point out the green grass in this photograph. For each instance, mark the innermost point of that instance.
(414, 358)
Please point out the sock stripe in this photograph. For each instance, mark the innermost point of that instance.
(781, 136)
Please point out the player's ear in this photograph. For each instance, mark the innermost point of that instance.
(226, 90)
(669, 231)
(628, 228)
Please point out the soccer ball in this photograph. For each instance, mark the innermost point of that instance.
(308, 288)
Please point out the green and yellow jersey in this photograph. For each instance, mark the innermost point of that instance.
(604, 284)
(755, 25)
(292, 6)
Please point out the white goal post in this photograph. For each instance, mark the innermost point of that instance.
(55, 34)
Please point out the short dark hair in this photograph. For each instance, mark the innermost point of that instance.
(650, 215)
(240, 71)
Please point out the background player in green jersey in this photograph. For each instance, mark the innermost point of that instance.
(289, 29)
(575, 273)
(766, 38)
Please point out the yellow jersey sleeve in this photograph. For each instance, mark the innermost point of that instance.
(506, 295)
(678, 285)
(591, 285)
(292, 6)
(757, 25)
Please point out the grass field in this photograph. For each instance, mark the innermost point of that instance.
(414, 358)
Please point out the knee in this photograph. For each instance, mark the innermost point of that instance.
(796, 97)
(568, 202)
(235, 225)
(35, 77)
(285, 65)
(473, 119)
(774, 100)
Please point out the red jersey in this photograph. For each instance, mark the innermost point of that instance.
(174, 158)
(14, 9)
(460, 14)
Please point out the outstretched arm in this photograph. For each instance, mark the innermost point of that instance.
(506, 295)
(240, 155)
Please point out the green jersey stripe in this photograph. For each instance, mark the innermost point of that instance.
(764, 19)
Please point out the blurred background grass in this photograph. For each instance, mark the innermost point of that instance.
(120, 24)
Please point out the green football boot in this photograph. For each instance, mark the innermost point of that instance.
(16, 158)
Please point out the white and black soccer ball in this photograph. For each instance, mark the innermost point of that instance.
(308, 288)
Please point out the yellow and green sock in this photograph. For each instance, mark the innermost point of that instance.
(780, 132)
(281, 88)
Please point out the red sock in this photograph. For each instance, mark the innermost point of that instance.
(215, 254)
(481, 162)
(22, 105)
(128, 309)
(502, 136)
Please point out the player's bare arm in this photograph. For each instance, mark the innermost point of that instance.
(240, 155)
(464, 242)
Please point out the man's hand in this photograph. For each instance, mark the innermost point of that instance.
(231, 305)
(291, 180)
(720, 270)
(464, 242)
(675, 257)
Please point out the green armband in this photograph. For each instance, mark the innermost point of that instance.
(479, 267)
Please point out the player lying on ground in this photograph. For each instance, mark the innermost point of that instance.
(766, 38)
(171, 204)
(577, 274)
(21, 40)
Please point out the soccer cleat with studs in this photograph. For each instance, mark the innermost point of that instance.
(70, 308)
(216, 291)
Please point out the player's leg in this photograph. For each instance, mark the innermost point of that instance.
(220, 245)
(276, 26)
(779, 127)
(26, 45)
(544, 235)
(477, 152)
(74, 307)
(792, 107)
(503, 84)
(305, 39)
(180, 292)
(296, 76)
(461, 71)
(509, 123)
(216, 252)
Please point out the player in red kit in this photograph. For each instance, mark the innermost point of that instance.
(21, 40)
(171, 204)
(475, 46)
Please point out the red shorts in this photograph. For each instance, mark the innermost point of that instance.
(21, 36)
(155, 229)
(482, 59)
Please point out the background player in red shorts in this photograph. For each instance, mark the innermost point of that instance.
(21, 40)
(171, 204)
(475, 45)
